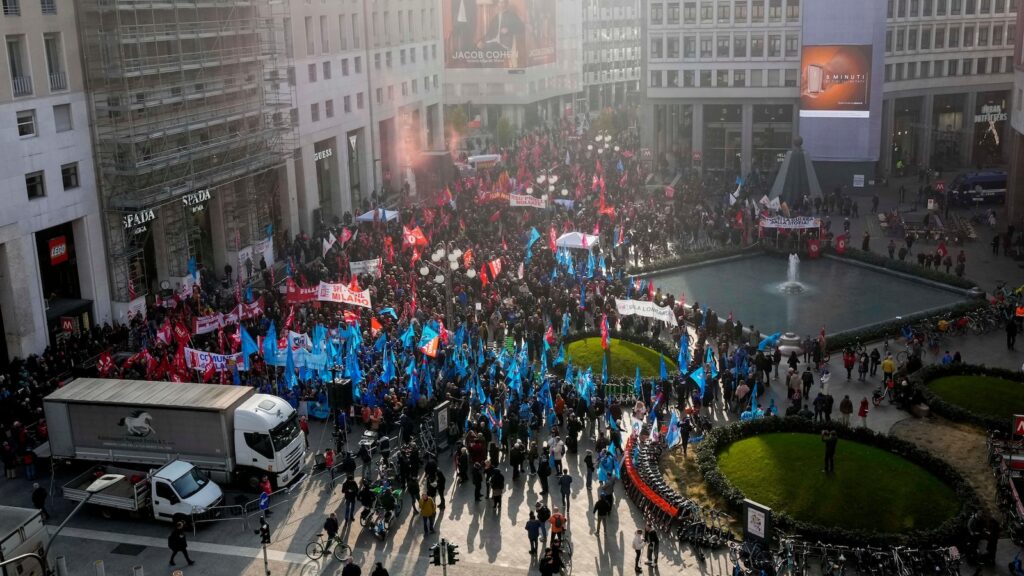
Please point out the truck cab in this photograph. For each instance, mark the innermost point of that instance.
(181, 488)
(268, 441)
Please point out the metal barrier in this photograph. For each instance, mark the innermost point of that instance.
(252, 507)
(221, 514)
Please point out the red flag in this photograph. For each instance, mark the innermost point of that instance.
(351, 317)
(375, 327)
(942, 249)
(208, 373)
(604, 331)
(814, 248)
(346, 235)
(467, 259)
(483, 275)
(180, 366)
(104, 364)
(549, 334)
(495, 267)
(291, 318)
(553, 239)
(131, 288)
(841, 244)
(650, 290)
(353, 285)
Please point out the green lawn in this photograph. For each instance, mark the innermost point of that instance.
(871, 489)
(625, 357)
(983, 395)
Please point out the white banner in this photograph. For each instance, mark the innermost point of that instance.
(798, 223)
(200, 360)
(341, 294)
(646, 309)
(526, 201)
(371, 267)
(210, 323)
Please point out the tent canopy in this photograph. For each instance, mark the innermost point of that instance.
(382, 215)
(577, 240)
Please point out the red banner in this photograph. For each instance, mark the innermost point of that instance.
(295, 294)
(814, 248)
(58, 250)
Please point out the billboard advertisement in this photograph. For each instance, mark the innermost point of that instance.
(499, 33)
(835, 81)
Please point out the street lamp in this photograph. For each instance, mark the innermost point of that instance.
(98, 485)
(443, 273)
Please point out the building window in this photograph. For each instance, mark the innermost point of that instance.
(376, 61)
(792, 45)
(656, 47)
(329, 108)
(673, 14)
(344, 66)
(774, 10)
(968, 68)
(940, 7)
(688, 78)
(723, 13)
(689, 13)
(312, 72)
(888, 72)
(927, 8)
(982, 66)
(722, 78)
(673, 47)
(401, 56)
(706, 12)
(672, 79)
(17, 61)
(954, 37)
(997, 35)
(774, 45)
(982, 36)
(69, 175)
(888, 40)
(914, 6)
(357, 64)
(926, 69)
(926, 38)
(723, 46)
(940, 37)
(757, 11)
(739, 11)
(26, 123)
(968, 36)
(405, 88)
(49, 6)
(655, 78)
(689, 47)
(793, 11)
(912, 39)
(790, 77)
(889, 10)
(954, 7)
(62, 117)
(911, 70)
(900, 39)
(898, 72)
(387, 58)
(951, 67)
(739, 78)
(739, 46)
(757, 78)
(35, 185)
(705, 46)
(55, 62)
(774, 78)
(327, 70)
(705, 78)
(11, 7)
(359, 101)
(391, 93)
(657, 14)
(756, 46)
(314, 111)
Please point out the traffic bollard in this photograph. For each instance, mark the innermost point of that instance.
(138, 571)
(62, 566)
(100, 570)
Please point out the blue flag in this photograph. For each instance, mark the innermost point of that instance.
(672, 437)
(534, 236)
(249, 346)
(427, 335)
(604, 368)
(638, 387)
(193, 268)
(770, 340)
(290, 378)
(561, 355)
(664, 371)
(270, 344)
(684, 352)
(408, 336)
(388, 373)
(698, 378)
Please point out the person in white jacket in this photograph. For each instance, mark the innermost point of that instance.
(638, 547)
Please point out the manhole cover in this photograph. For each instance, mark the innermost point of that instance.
(128, 549)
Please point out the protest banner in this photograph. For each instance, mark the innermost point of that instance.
(646, 309)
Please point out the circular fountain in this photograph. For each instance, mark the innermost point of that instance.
(792, 285)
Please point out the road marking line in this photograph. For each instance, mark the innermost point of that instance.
(205, 547)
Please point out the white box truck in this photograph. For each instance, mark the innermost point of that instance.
(230, 432)
(21, 532)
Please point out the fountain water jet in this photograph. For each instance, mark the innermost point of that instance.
(792, 284)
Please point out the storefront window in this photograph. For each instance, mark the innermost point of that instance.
(991, 117)
(722, 135)
(773, 135)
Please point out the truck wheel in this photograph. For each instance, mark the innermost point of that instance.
(251, 481)
(106, 513)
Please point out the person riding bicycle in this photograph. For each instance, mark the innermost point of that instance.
(366, 497)
(386, 501)
(331, 528)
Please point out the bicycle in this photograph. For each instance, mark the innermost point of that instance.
(320, 547)
(565, 552)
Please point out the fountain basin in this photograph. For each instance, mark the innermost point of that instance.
(837, 295)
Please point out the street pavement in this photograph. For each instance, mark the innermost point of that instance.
(489, 542)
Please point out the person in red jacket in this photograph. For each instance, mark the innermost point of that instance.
(266, 488)
(849, 360)
(863, 412)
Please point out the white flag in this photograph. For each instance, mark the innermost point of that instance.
(329, 242)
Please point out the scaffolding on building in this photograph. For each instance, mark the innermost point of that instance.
(187, 96)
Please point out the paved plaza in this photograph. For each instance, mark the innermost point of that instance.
(489, 542)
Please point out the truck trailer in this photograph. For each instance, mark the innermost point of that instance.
(230, 432)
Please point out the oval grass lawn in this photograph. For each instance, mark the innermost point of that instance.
(625, 357)
(984, 395)
(871, 488)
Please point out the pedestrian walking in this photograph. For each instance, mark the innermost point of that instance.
(428, 510)
(39, 500)
(178, 543)
(380, 570)
(565, 486)
(497, 485)
(351, 492)
(651, 537)
(266, 488)
(304, 426)
(638, 547)
(588, 461)
(558, 523)
(602, 509)
(845, 410)
(543, 471)
(329, 463)
(351, 568)
(478, 480)
(543, 515)
(331, 527)
(830, 439)
(534, 527)
(863, 412)
(412, 486)
(1011, 333)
